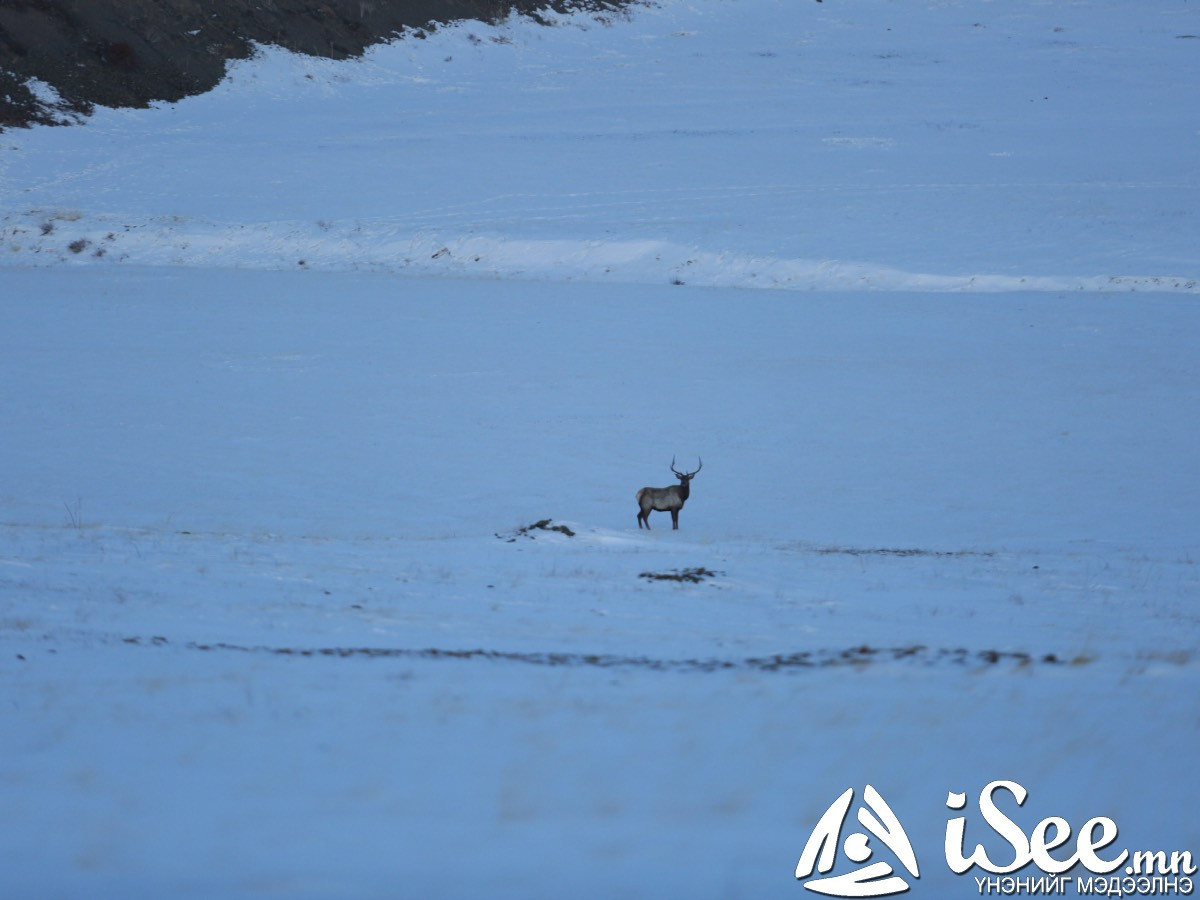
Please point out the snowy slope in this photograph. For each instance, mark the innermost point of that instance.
(769, 143)
(290, 371)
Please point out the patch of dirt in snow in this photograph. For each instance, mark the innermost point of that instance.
(779, 662)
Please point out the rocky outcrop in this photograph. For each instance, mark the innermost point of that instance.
(134, 52)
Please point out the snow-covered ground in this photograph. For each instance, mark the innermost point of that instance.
(290, 372)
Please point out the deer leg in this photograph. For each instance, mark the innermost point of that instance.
(675, 519)
(644, 516)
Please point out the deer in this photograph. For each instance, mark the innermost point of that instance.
(666, 499)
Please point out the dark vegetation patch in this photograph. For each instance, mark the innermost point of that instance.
(690, 576)
(528, 531)
(895, 551)
(803, 660)
(130, 53)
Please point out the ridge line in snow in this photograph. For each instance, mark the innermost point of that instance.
(40, 238)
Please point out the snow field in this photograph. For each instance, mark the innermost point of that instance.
(277, 621)
(290, 371)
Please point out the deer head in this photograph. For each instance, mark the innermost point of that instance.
(685, 477)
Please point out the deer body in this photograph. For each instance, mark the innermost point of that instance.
(665, 499)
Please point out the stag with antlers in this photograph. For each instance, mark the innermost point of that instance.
(666, 499)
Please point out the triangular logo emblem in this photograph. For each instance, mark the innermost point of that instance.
(870, 879)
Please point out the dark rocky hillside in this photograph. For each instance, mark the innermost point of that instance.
(132, 52)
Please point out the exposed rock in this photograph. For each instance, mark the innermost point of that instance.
(133, 52)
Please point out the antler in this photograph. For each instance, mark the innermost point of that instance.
(699, 467)
(673, 469)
